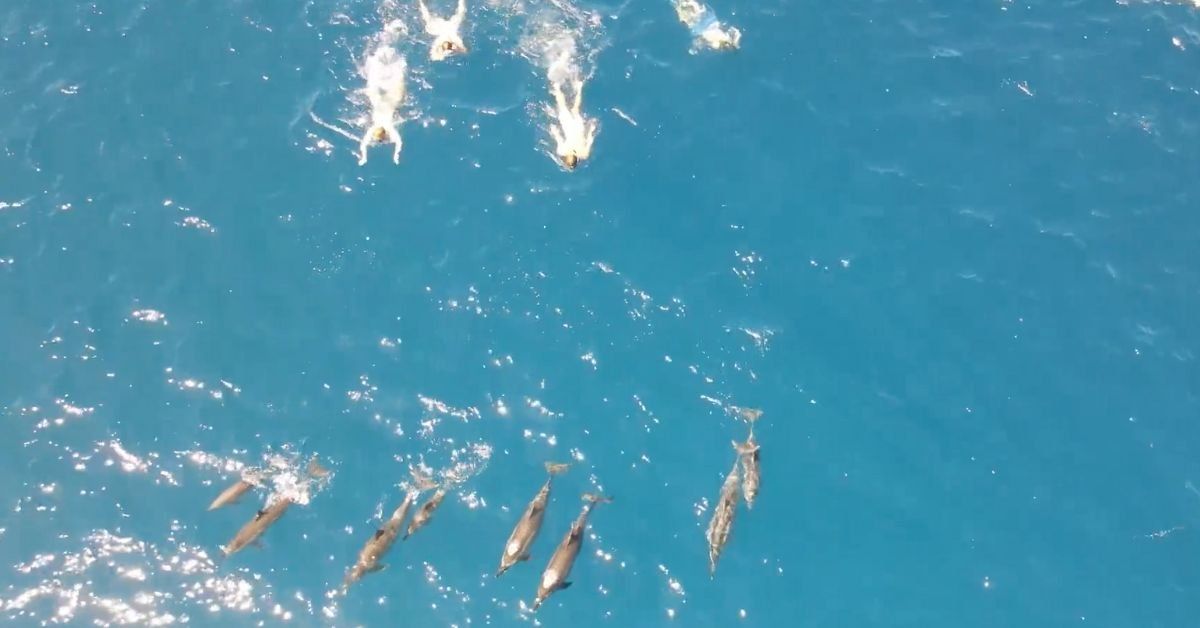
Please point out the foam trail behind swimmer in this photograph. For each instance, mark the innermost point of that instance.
(561, 41)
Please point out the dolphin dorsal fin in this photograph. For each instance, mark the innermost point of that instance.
(379, 533)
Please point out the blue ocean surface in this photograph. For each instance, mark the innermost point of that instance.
(950, 249)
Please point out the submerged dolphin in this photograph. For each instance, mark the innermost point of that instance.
(554, 577)
(722, 520)
(232, 494)
(523, 535)
(254, 528)
(379, 543)
(426, 512)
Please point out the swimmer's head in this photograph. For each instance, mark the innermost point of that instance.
(447, 47)
(570, 160)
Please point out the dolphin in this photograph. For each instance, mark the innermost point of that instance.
(522, 537)
(232, 494)
(748, 454)
(250, 533)
(379, 543)
(423, 515)
(554, 577)
(722, 520)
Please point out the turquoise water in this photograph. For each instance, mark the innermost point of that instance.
(950, 249)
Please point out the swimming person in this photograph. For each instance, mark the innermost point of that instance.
(705, 27)
(446, 39)
(574, 133)
(384, 71)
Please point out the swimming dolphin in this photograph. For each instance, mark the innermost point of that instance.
(250, 533)
(231, 495)
(748, 454)
(522, 537)
(722, 521)
(426, 512)
(554, 577)
(379, 543)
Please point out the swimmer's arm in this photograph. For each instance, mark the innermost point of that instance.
(397, 144)
(589, 135)
(363, 145)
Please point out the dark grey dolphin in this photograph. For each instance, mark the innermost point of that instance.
(254, 528)
(722, 520)
(555, 575)
(231, 495)
(523, 535)
(379, 543)
(423, 515)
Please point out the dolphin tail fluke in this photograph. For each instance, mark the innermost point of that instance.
(751, 415)
(555, 468)
(745, 448)
(316, 469)
(421, 480)
(537, 603)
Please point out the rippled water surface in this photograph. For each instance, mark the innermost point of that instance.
(950, 249)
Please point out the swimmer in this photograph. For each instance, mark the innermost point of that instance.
(705, 26)
(446, 40)
(385, 91)
(574, 133)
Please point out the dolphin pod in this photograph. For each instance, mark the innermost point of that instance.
(741, 483)
(742, 480)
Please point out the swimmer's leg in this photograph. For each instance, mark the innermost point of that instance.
(426, 17)
(560, 99)
(459, 14)
(578, 96)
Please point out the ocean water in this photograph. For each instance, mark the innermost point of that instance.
(950, 249)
